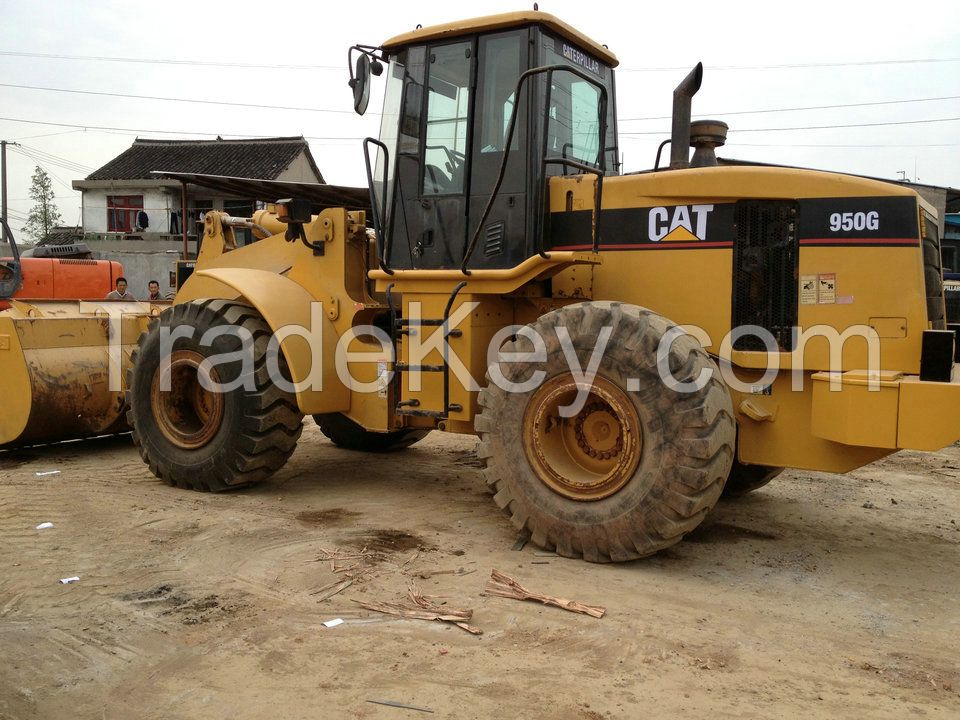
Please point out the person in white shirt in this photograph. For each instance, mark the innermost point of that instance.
(121, 292)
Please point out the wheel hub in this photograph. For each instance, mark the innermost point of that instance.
(188, 414)
(591, 455)
(599, 433)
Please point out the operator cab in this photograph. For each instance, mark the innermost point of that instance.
(11, 272)
(450, 97)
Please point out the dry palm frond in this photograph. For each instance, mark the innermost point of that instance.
(504, 586)
(425, 610)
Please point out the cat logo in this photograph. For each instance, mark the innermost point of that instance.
(680, 223)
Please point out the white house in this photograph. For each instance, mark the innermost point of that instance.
(132, 216)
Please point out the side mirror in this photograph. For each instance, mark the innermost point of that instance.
(360, 84)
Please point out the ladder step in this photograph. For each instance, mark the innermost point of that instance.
(407, 322)
(421, 413)
(404, 367)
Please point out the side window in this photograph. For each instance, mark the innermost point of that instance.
(585, 125)
(448, 104)
(574, 106)
(574, 130)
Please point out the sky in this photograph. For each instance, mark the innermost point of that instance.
(758, 56)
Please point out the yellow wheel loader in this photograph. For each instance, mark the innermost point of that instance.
(624, 345)
(61, 360)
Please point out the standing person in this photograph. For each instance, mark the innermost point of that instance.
(121, 292)
(154, 289)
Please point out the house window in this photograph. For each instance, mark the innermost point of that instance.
(122, 212)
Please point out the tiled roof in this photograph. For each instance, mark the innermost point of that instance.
(62, 235)
(263, 158)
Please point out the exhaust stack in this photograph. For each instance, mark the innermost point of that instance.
(682, 100)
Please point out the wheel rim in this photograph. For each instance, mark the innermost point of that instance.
(187, 414)
(591, 455)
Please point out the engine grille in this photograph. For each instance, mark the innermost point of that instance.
(933, 273)
(765, 258)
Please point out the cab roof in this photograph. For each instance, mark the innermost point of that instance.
(502, 22)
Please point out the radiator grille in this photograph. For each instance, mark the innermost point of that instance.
(933, 273)
(765, 271)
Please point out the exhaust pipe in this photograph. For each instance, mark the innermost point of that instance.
(682, 101)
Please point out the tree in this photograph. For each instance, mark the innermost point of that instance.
(43, 216)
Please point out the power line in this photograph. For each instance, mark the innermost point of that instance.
(174, 99)
(793, 66)
(57, 160)
(351, 112)
(809, 107)
(160, 132)
(811, 127)
(55, 157)
(212, 63)
(167, 61)
(57, 197)
(44, 135)
(43, 165)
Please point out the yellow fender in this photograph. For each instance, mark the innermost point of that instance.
(282, 303)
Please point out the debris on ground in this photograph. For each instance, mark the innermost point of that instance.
(402, 706)
(44, 525)
(425, 610)
(48, 472)
(69, 580)
(427, 574)
(503, 586)
(328, 591)
(333, 623)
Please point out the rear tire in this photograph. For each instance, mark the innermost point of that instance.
(347, 434)
(747, 478)
(651, 461)
(197, 439)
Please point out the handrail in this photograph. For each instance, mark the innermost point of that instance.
(379, 217)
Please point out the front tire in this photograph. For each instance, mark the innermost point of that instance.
(636, 469)
(198, 439)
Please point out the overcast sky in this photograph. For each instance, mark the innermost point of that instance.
(862, 52)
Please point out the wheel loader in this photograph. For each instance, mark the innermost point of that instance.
(56, 349)
(626, 346)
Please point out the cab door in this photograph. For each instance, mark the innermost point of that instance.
(429, 221)
(502, 57)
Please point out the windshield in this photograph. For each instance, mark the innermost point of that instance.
(388, 136)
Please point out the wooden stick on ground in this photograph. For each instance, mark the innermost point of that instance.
(426, 610)
(503, 586)
(328, 591)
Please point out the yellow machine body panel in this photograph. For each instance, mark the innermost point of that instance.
(673, 260)
(690, 279)
(313, 299)
(60, 380)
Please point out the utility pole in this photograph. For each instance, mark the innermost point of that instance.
(3, 179)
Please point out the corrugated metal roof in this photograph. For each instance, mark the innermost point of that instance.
(321, 196)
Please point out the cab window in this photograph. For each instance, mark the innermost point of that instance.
(448, 105)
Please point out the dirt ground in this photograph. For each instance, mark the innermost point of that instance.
(820, 595)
